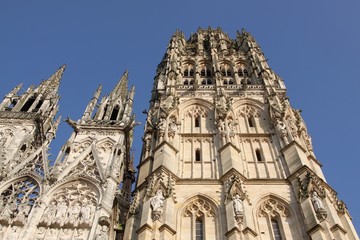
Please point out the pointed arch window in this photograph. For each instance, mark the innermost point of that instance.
(251, 121)
(199, 221)
(114, 113)
(197, 121)
(276, 229)
(197, 155)
(199, 229)
(258, 154)
(28, 104)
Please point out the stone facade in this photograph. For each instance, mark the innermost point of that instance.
(225, 155)
(77, 196)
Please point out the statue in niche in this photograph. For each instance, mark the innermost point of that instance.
(282, 131)
(292, 127)
(79, 234)
(157, 204)
(316, 201)
(232, 124)
(238, 205)
(103, 233)
(86, 212)
(173, 126)
(61, 211)
(161, 124)
(74, 212)
(321, 213)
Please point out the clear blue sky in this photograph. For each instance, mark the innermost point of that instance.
(313, 45)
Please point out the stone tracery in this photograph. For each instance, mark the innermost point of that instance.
(199, 207)
(17, 200)
(272, 208)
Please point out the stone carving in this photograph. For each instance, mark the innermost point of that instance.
(85, 213)
(103, 233)
(198, 208)
(234, 187)
(197, 111)
(282, 131)
(158, 181)
(72, 205)
(17, 201)
(169, 102)
(157, 204)
(272, 208)
(173, 127)
(321, 213)
(238, 208)
(222, 105)
(161, 127)
(134, 207)
(79, 234)
(309, 182)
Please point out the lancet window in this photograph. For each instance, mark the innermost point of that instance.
(28, 104)
(275, 215)
(198, 220)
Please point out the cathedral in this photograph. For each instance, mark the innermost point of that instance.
(224, 156)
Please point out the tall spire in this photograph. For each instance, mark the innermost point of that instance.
(51, 85)
(121, 88)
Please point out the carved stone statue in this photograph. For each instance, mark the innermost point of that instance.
(74, 212)
(238, 205)
(157, 204)
(85, 213)
(79, 234)
(321, 213)
(316, 201)
(103, 233)
(281, 129)
(61, 211)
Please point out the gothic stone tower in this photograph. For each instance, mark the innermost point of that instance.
(77, 197)
(224, 155)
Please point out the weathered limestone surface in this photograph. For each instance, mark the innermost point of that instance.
(230, 155)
